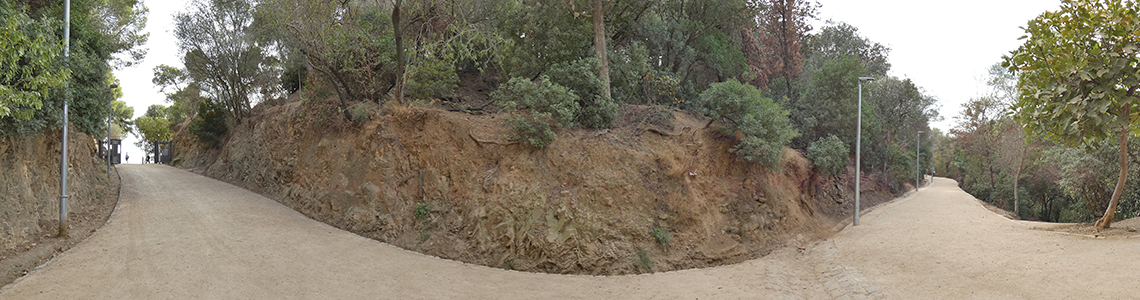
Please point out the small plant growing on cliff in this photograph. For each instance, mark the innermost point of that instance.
(422, 210)
(662, 235)
(532, 129)
(643, 260)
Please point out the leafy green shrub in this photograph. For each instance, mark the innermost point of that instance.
(763, 122)
(828, 155)
(432, 79)
(532, 129)
(546, 103)
(580, 76)
(210, 126)
(662, 235)
(543, 96)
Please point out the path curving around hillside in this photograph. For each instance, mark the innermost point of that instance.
(179, 235)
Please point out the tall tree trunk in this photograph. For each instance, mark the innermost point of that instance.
(1106, 221)
(1016, 178)
(600, 46)
(400, 63)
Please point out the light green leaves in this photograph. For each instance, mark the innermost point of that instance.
(27, 51)
(1078, 70)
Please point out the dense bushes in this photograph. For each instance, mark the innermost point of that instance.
(580, 76)
(828, 155)
(210, 126)
(763, 124)
(539, 105)
(431, 79)
(569, 95)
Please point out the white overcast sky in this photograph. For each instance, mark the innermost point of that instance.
(944, 46)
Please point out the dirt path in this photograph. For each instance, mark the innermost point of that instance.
(180, 235)
(942, 244)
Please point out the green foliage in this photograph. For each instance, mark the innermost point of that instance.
(1078, 80)
(27, 74)
(828, 155)
(542, 97)
(293, 78)
(221, 55)
(540, 35)
(763, 123)
(155, 126)
(210, 126)
(580, 77)
(662, 235)
(422, 211)
(432, 79)
(1075, 88)
(532, 129)
(94, 46)
(827, 102)
(154, 129)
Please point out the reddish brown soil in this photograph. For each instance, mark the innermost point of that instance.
(587, 204)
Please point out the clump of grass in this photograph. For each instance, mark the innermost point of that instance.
(422, 210)
(662, 235)
(643, 260)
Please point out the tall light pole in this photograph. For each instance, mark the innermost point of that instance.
(66, 97)
(859, 146)
(110, 109)
(917, 159)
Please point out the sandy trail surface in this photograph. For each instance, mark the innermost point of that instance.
(179, 235)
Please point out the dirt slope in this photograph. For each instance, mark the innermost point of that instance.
(454, 186)
(177, 235)
(29, 198)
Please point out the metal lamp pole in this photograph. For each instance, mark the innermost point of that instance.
(63, 159)
(110, 108)
(859, 146)
(917, 169)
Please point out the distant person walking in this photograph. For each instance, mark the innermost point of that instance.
(147, 159)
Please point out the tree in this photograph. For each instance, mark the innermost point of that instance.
(401, 65)
(1078, 69)
(760, 122)
(27, 51)
(221, 54)
(154, 126)
(99, 35)
(784, 26)
(600, 46)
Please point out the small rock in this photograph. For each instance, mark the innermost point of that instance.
(663, 216)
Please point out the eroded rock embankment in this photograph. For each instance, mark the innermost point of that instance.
(631, 199)
(29, 198)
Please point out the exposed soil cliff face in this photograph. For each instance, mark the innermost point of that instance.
(29, 198)
(29, 207)
(452, 185)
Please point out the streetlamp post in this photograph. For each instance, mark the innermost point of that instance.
(110, 109)
(859, 146)
(917, 159)
(66, 97)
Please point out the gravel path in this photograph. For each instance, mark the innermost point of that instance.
(179, 235)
